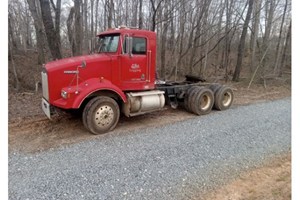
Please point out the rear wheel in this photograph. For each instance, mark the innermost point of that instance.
(186, 98)
(100, 115)
(223, 98)
(203, 101)
(192, 95)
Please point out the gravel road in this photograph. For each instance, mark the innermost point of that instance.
(177, 161)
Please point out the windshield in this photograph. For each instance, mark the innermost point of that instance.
(108, 43)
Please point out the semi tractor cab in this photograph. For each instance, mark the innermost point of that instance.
(121, 78)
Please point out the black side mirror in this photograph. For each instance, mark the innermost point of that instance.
(83, 64)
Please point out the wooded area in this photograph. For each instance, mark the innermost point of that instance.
(223, 39)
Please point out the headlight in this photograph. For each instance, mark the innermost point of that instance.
(64, 94)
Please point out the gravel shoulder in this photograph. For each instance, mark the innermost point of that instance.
(174, 161)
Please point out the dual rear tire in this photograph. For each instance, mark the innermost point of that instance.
(200, 100)
(223, 96)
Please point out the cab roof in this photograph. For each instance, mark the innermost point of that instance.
(130, 31)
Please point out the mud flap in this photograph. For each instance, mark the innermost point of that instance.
(46, 108)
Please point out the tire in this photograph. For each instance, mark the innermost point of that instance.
(85, 111)
(100, 115)
(186, 97)
(223, 98)
(214, 88)
(192, 95)
(203, 101)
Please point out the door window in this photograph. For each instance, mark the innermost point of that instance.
(138, 45)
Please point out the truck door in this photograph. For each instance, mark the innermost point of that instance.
(134, 62)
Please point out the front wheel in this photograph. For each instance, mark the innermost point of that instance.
(100, 115)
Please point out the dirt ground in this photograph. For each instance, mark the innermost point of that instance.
(269, 182)
(30, 131)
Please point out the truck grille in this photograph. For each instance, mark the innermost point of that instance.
(45, 84)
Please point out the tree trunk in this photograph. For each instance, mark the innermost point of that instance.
(28, 29)
(241, 47)
(163, 45)
(284, 54)
(218, 53)
(13, 36)
(57, 20)
(57, 10)
(78, 27)
(254, 34)
(154, 13)
(279, 40)
(92, 27)
(110, 5)
(96, 18)
(226, 53)
(85, 25)
(10, 45)
(182, 21)
(134, 19)
(53, 41)
(70, 27)
(141, 14)
(38, 25)
(270, 9)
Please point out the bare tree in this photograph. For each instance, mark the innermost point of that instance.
(241, 48)
(163, 44)
(154, 13)
(220, 28)
(53, 41)
(255, 30)
(285, 50)
(270, 9)
(11, 56)
(110, 9)
(71, 30)
(227, 45)
(39, 31)
(92, 25)
(78, 27)
(57, 11)
(140, 14)
(96, 17)
(276, 66)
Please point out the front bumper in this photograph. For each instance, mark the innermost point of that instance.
(46, 108)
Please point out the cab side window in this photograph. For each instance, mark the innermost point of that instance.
(138, 46)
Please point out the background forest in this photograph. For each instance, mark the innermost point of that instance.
(219, 40)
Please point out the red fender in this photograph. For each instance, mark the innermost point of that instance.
(93, 85)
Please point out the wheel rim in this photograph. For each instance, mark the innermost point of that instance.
(104, 116)
(227, 98)
(205, 102)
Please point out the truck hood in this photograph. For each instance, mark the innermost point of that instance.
(66, 63)
(60, 73)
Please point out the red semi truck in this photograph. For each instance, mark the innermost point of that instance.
(121, 78)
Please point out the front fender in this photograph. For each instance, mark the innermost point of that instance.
(78, 94)
(93, 85)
